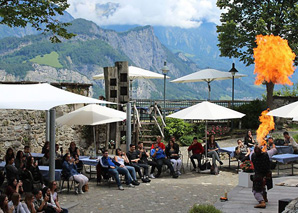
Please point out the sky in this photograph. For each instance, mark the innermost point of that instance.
(175, 13)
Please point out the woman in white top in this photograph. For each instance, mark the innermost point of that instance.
(54, 196)
(16, 203)
(122, 159)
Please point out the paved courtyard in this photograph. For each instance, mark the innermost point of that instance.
(164, 194)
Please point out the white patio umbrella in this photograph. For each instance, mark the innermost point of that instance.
(92, 114)
(136, 73)
(40, 97)
(206, 111)
(207, 75)
(287, 111)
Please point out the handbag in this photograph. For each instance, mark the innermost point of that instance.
(205, 166)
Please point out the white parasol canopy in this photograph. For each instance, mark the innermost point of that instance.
(39, 97)
(92, 114)
(287, 111)
(207, 75)
(135, 73)
(206, 111)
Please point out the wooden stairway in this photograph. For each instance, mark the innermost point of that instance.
(146, 136)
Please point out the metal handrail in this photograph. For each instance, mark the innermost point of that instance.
(158, 126)
(162, 120)
(137, 115)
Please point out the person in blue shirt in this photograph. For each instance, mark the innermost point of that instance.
(114, 168)
(70, 168)
(160, 158)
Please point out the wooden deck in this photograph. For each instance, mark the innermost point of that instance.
(241, 199)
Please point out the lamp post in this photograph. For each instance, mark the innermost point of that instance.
(233, 71)
(165, 71)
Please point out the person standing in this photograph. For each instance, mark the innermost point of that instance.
(197, 151)
(262, 177)
(289, 141)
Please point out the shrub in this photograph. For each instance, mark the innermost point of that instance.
(252, 110)
(204, 208)
(295, 137)
(186, 140)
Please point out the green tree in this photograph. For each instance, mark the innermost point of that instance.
(39, 13)
(243, 20)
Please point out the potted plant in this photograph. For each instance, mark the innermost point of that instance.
(244, 176)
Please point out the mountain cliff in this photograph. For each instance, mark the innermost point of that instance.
(94, 47)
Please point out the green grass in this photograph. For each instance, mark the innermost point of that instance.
(204, 208)
(51, 59)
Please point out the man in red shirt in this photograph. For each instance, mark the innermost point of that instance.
(197, 150)
(159, 143)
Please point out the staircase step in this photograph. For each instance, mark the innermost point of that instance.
(147, 123)
(149, 136)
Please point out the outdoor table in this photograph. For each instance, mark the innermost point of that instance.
(90, 162)
(37, 155)
(285, 149)
(2, 164)
(285, 158)
(230, 151)
(45, 172)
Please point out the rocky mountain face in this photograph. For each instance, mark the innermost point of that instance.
(95, 47)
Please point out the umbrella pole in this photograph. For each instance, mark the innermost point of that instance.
(209, 90)
(94, 140)
(206, 151)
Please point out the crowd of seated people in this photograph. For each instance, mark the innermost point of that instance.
(25, 183)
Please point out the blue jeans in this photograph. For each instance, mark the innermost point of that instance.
(119, 170)
(132, 172)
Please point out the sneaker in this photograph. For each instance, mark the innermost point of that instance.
(220, 162)
(151, 176)
(120, 188)
(76, 191)
(175, 176)
(145, 180)
(81, 192)
(178, 172)
(135, 182)
(130, 185)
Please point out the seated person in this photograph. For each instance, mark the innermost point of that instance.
(159, 157)
(73, 149)
(20, 161)
(57, 154)
(134, 158)
(143, 155)
(45, 147)
(122, 159)
(9, 153)
(289, 141)
(27, 151)
(159, 143)
(45, 160)
(4, 204)
(270, 147)
(172, 152)
(249, 140)
(197, 151)
(11, 171)
(28, 204)
(40, 204)
(242, 152)
(16, 203)
(115, 169)
(14, 186)
(32, 166)
(53, 198)
(212, 150)
(70, 169)
(47, 195)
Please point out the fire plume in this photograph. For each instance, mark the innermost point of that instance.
(273, 60)
(267, 124)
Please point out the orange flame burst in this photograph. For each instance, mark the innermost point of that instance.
(267, 124)
(273, 60)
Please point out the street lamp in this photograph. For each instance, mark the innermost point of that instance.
(165, 71)
(233, 71)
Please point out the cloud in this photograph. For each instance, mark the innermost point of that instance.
(177, 13)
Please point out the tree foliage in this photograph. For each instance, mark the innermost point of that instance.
(245, 19)
(39, 13)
